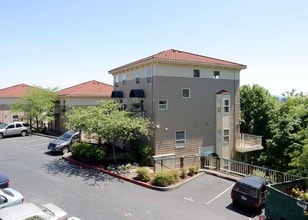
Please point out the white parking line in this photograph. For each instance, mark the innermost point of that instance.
(189, 199)
(216, 197)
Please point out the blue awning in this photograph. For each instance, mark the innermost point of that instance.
(117, 94)
(136, 93)
(208, 154)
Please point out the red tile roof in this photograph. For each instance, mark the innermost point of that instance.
(183, 57)
(91, 88)
(15, 91)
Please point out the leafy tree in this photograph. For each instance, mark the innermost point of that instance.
(38, 104)
(258, 112)
(286, 149)
(109, 122)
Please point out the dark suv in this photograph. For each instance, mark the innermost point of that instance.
(64, 142)
(14, 128)
(249, 191)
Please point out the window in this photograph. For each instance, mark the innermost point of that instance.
(124, 79)
(162, 104)
(180, 138)
(226, 136)
(197, 73)
(137, 77)
(15, 117)
(186, 93)
(216, 75)
(10, 126)
(149, 75)
(226, 105)
(116, 81)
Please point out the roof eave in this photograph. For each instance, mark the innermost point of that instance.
(154, 60)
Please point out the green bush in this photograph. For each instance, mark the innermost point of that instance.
(166, 177)
(183, 173)
(192, 170)
(144, 153)
(87, 153)
(143, 174)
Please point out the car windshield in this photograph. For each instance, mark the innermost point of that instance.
(65, 136)
(3, 125)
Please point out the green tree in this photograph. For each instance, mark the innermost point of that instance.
(109, 122)
(285, 150)
(258, 110)
(38, 103)
(258, 113)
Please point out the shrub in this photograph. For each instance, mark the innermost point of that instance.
(143, 174)
(144, 153)
(183, 173)
(87, 153)
(166, 177)
(192, 170)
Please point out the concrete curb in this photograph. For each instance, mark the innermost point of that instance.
(128, 179)
(222, 175)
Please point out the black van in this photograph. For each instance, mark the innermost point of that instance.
(249, 191)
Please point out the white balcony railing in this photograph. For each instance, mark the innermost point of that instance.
(248, 142)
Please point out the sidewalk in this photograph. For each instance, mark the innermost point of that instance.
(222, 174)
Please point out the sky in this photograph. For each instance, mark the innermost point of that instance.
(62, 43)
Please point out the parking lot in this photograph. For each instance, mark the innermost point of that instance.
(43, 177)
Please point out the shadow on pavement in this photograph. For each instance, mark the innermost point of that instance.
(90, 177)
(246, 211)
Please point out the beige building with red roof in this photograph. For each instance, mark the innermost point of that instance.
(8, 96)
(84, 94)
(193, 100)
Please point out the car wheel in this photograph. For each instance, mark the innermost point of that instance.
(1, 135)
(65, 150)
(23, 133)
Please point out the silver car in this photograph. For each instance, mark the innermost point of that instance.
(33, 211)
(14, 128)
(10, 197)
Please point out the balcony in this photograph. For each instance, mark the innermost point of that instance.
(248, 143)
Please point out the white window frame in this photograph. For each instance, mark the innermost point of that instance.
(226, 105)
(226, 136)
(149, 75)
(124, 79)
(180, 143)
(137, 73)
(116, 80)
(196, 73)
(186, 97)
(162, 106)
(216, 75)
